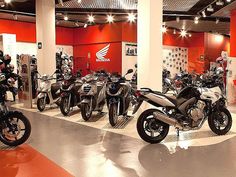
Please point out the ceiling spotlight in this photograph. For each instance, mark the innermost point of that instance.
(210, 9)
(196, 20)
(15, 16)
(66, 18)
(77, 24)
(164, 29)
(85, 25)
(7, 1)
(217, 20)
(204, 14)
(190, 35)
(131, 17)
(61, 2)
(2, 4)
(228, 0)
(110, 18)
(177, 19)
(79, 1)
(174, 32)
(91, 18)
(220, 3)
(183, 33)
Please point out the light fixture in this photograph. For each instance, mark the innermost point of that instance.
(183, 33)
(164, 29)
(66, 18)
(85, 25)
(91, 18)
(110, 18)
(220, 3)
(204, 14)
(219, 38)
(77, 24)
(190, 35)
(174, 32)
(7, 1)
(61, 2)
(131, 17)
(79, 1)
(2, 4)
(217, 20)
(210, 8)
(228, 0)
(15, 16)
(196, 20)
(177, 19)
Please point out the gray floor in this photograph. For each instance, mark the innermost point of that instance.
(86, 151)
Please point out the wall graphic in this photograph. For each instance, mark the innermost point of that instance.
(131, 49)
(175, 59)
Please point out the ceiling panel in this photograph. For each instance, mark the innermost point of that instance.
(101, 4)
(202, 26)
(225, 12)
(178, 5)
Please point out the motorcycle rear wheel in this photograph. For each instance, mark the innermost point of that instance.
(15, 124)
(85, 111)
(41, 104)
(64, 106)
(113, 116)
(147, 126)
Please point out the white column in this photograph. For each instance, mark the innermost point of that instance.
(150, 44)
(45, 29)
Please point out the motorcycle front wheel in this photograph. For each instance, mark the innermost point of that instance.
(65, 106)
(15, 129)
(86, 111)
(41, 104)
(113, 115)
(150, 129)
(220, 122)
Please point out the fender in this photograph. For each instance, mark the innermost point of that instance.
(41, 95)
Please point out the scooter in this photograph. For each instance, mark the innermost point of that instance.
(93, 95)
(48, 93)
(70, 93)
(119, 97)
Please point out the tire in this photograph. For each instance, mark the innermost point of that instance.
(142, 131)
(86, 114)
(27, 126)
(213, 118)
(41, 104)
(64, 106)
(113, 117)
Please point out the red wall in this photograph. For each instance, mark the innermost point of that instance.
(26, 32)
(233, 34)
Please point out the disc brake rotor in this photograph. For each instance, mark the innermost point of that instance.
(15, 127)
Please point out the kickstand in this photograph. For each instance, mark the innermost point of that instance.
(177, 131)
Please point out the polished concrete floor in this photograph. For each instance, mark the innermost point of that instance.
(95, 149)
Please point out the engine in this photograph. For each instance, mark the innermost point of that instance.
(196, 112)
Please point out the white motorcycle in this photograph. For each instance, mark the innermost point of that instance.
(188, 111)
(48, 93)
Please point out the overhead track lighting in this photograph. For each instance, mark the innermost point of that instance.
(110, 18)
(66, 18)
(91, 18)
(77, 24)
(131, 17)
(220, 3)
(2, 4)
(210, 8)
(79, 1)
(196, 20)
(228, 0)
(7, 1)
(177, 19)
(174, 32)
(204, 14)
(85, 25)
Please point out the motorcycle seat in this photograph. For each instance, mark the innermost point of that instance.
(55, 87)
(172, 98)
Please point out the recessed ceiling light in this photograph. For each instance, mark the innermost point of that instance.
(7, 1)
(110, 18)
(66, 18)
(228, 0)
(91, 18)
(131, 17)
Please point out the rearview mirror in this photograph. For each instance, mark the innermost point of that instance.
(129, 71)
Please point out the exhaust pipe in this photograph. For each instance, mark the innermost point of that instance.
(164, 118)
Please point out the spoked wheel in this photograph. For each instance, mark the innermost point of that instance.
(220, 122)
(113, 115)
(15, 130)
(86, 111)
(65, 106)
(150, 129)
(41, 104)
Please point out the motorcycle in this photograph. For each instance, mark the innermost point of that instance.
(70, 93)
(167, 83)
(93, 94)
(48, 93)
(188, 111)
(119, 97)
(15, 128)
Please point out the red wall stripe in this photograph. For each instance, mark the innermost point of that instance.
(233, 34)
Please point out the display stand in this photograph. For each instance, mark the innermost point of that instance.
(25, 73)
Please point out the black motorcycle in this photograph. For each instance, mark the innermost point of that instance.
(119, 97)
(15, 128)
(70, 93)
